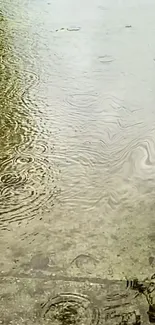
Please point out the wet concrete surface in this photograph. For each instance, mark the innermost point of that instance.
(46, 300)
(77, 161)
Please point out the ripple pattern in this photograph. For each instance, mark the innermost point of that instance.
(27, 186)
(16, 126)
(28, 176)
(73, 308)
(112, 151)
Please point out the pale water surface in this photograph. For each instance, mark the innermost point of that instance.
(77, 138)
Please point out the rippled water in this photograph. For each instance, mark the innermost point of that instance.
(77, 136)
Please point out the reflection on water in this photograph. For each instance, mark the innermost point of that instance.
(77, 134)
(27, 180)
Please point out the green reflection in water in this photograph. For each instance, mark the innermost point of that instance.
(16, 127)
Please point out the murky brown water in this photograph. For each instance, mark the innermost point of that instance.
(77, 137)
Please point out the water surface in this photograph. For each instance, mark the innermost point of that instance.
(77, 137)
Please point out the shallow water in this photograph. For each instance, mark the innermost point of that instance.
(77, 138)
